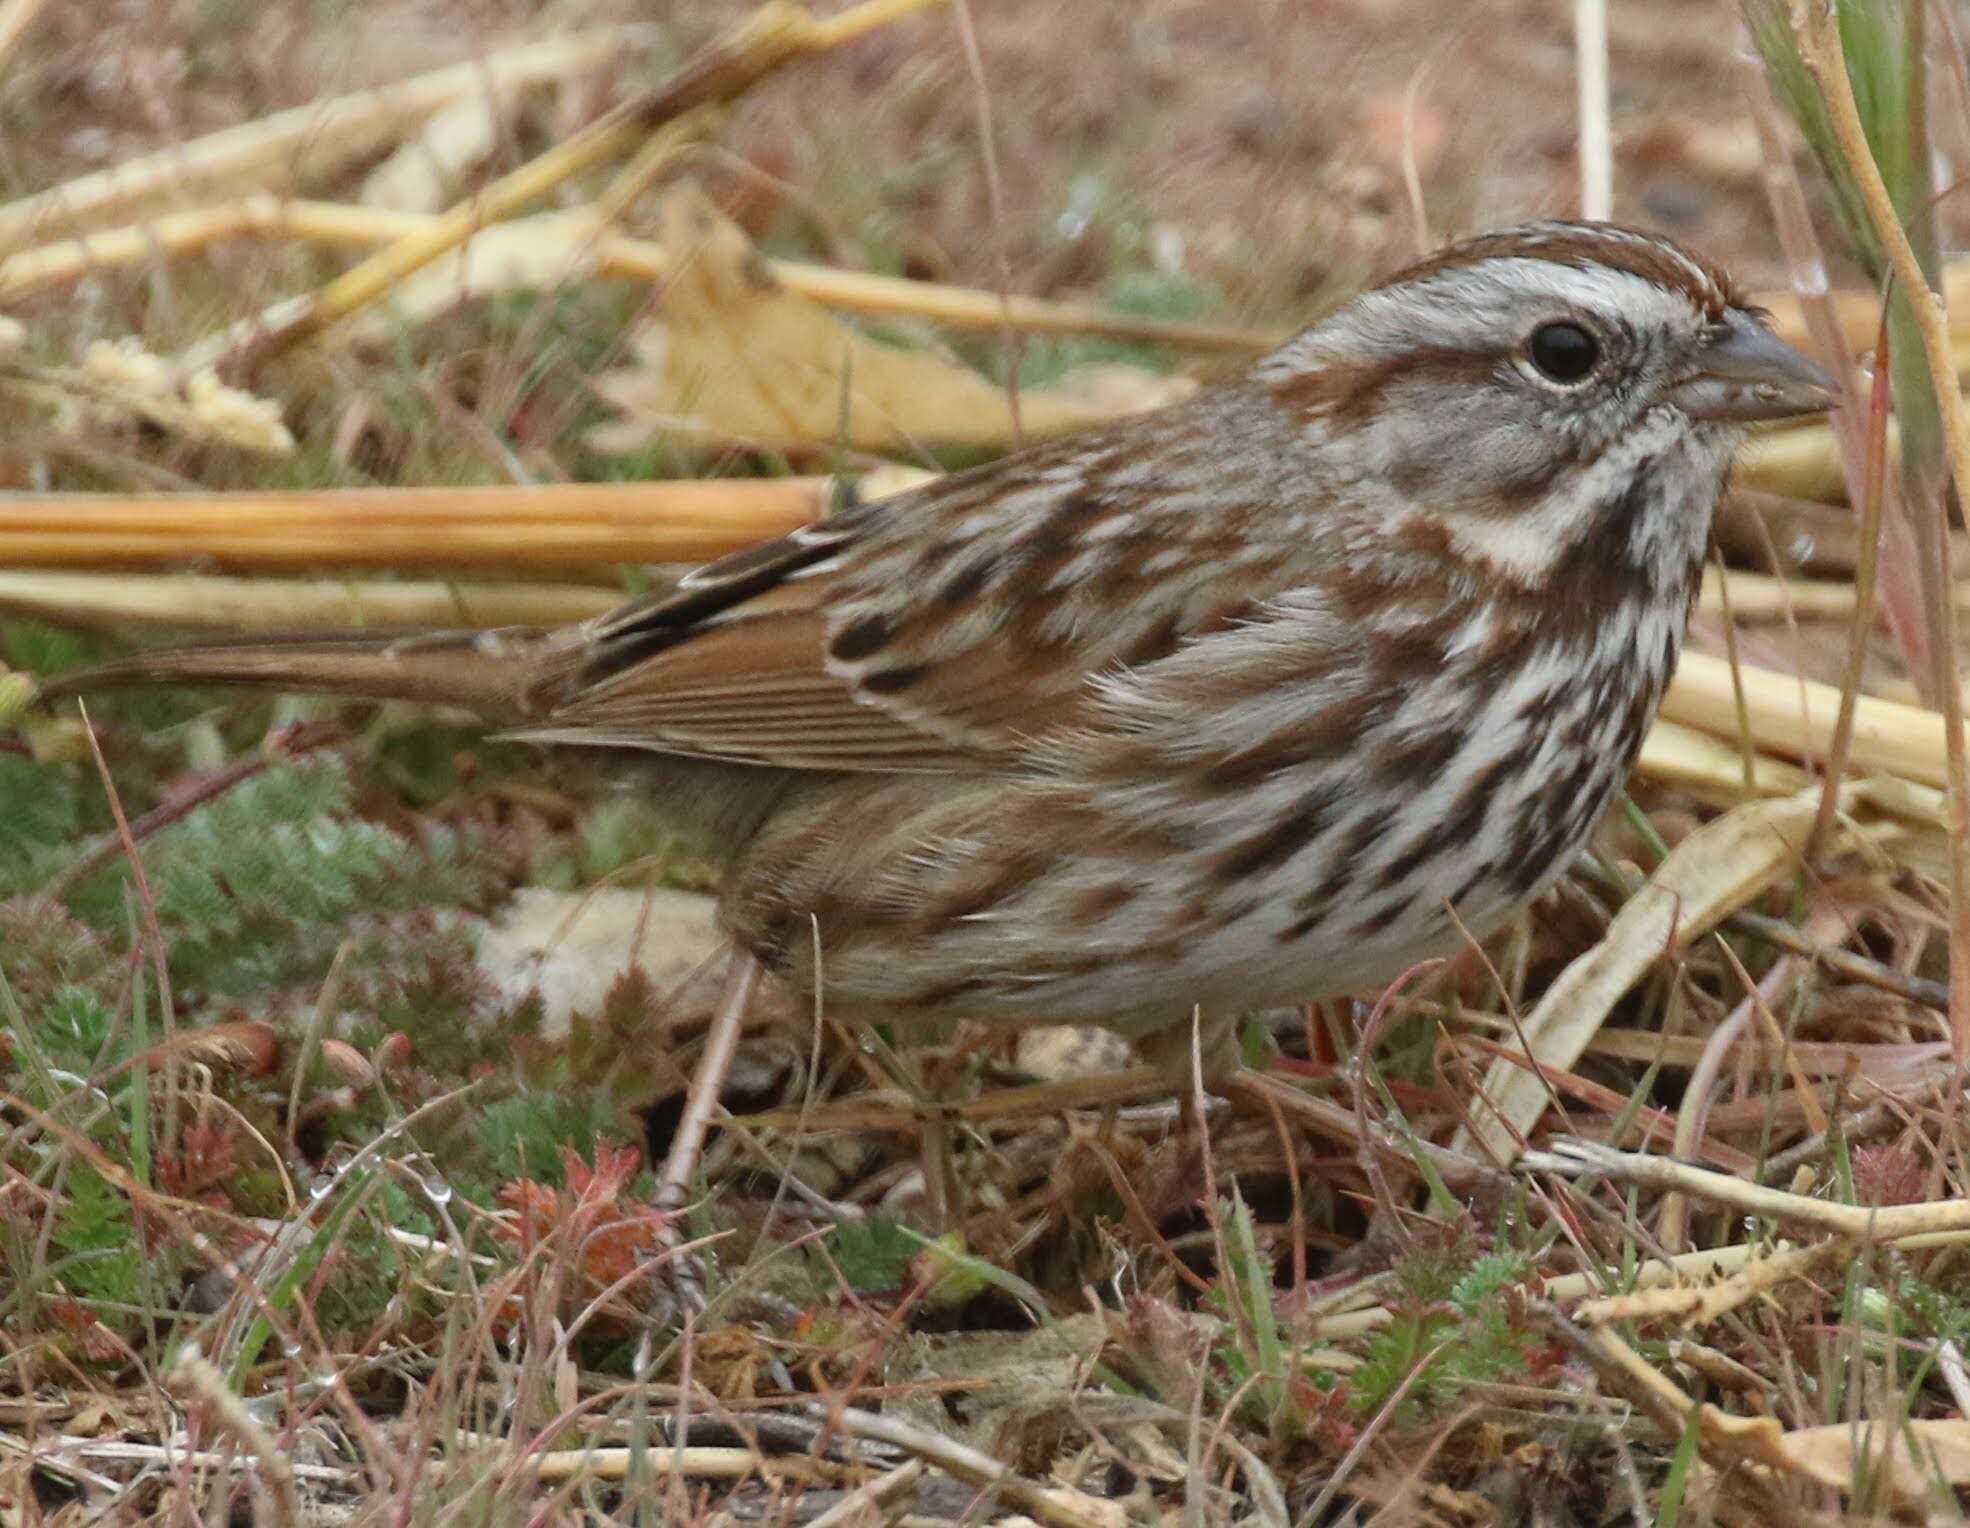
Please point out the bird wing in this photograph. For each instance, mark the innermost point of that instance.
(950, 627)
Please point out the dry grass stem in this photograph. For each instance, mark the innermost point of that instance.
(1797, 718)
(257, 338)
(1056, 1506)
(680, 110)
(1711, 874)
(16, 16)
(556, 526)
(210, 602)
(1590, 69)
(326, 135)
(1709, 767)
(1761, 598)
(194, 1375)
(1864, 1222)
(357, 1049)
(864, 1505)
(1802, 458)
(1819, 36)
(1691, 1305)
(576, 240)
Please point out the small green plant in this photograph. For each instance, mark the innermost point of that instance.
(40, 816)
(1452, 1319)
(253, 888)
(1256, 1351)
(527, 1135)
(873, 1255)
(95, 1240)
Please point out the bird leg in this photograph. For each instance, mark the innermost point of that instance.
(1196, 1055)
(714, 1063)
(1193, 1058)
(1169, 1070)
(683, 1272)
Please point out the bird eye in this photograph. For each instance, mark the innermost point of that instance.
(1563, 352)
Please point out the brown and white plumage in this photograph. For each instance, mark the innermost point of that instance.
(1258, 697)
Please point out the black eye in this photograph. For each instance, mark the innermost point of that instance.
(1563, 352)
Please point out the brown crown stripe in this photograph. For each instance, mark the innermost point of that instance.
(1583, 244)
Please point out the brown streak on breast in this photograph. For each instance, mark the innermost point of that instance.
(997, 883)
(1580, 245)
(1097, 905)
(1319, 735)
(1419, 649)
(1275, 844)
(1415, 764)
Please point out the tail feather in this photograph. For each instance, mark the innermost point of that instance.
(496, 673)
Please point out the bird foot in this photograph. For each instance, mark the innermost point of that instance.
(1201, 1053)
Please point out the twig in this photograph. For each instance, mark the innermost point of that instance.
(1874, 490)
(1842, 962)
(1878, 1118)
(862, 1504)
(1793, 223)
(56, 1453)
(995, 207)
(1057, 1506)
(1872, 1223)
(1788, 715)
(698, 1463)
(1376, 1424)
(294, 604)
(1814, 539)
(714, 1062)
(1949, 1363)
(1694, 1111)
(1747, 750)
(257, 338)
(1762, 597)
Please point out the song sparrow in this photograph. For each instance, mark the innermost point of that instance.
(1257, 698)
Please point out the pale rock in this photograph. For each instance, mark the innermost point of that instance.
(572, 947)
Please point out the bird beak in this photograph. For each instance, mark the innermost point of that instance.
(1747, 373)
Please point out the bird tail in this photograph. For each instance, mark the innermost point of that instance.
(495, 673)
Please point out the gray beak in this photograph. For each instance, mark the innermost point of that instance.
(1747, 373)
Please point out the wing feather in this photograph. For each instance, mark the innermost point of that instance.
(955, 626)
